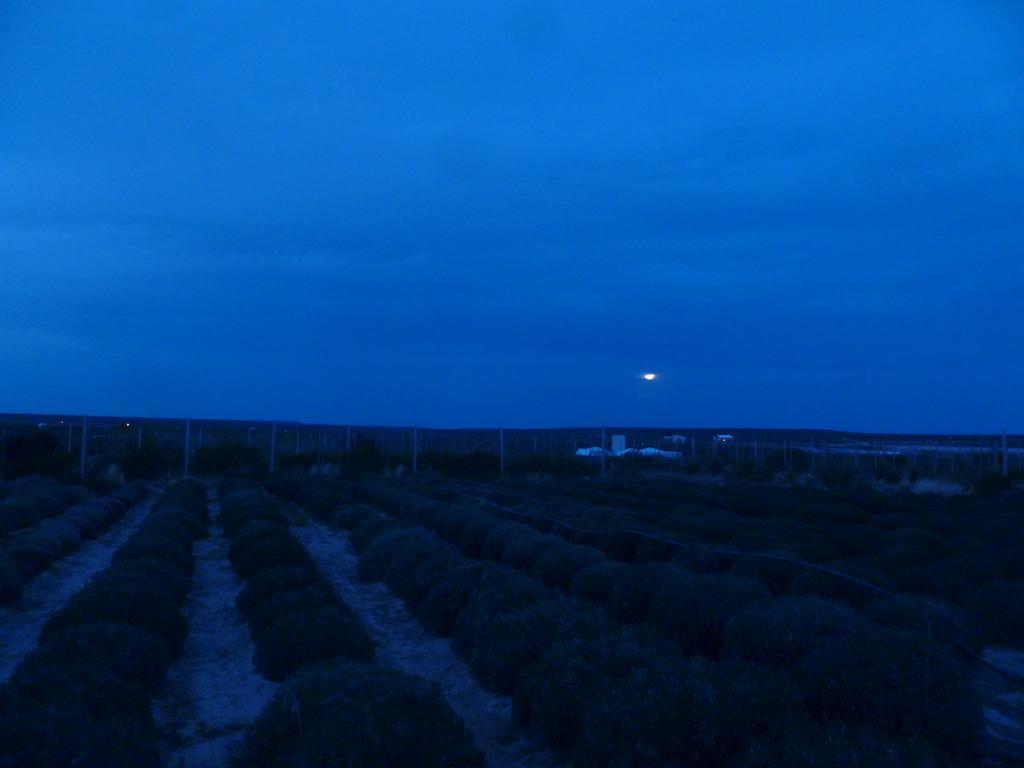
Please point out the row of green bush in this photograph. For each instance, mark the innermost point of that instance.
(965, 552)
(82, 697)
(609, 695)
(28, 500)
(335, 707)
(294, 616)
(31, 551)
(712, 615)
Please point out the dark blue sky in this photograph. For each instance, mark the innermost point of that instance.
(500, 213)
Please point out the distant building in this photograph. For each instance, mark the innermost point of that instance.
(675, 439)
(723, 438)
(618, 445)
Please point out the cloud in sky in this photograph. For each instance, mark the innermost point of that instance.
(803, 214)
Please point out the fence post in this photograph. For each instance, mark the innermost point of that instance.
(3, 447)
(188, 440)
(415, 448)
(602, 452)
(273, 445)
(85, 445)
(501, 452)
(1006, 457)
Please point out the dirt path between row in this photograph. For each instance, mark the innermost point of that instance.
(22, 621)
(213, 691)
(1003, 706)
(404, 645)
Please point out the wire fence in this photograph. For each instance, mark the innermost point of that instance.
(94, 441)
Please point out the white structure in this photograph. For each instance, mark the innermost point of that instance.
(618, 445)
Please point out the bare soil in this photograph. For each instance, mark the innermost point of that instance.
(22, 621)
(1003, 700)
(213, 690)
(404, 645)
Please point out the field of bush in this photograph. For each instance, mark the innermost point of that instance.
(663, 624)
(40, 528)
(648, 623)
(335, 707)
(83, 696)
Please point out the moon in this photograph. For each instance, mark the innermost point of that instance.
(650, 376)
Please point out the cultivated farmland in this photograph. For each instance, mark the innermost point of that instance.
(312, 619)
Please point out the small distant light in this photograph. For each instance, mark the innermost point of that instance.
(650, 376)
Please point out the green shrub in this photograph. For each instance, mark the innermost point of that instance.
(32, 555)
(357, 715)
(63, 531)
(412, 579)
(364, 534)
(306, 636)
(188, 494)
(10, 580)
(555, 693)
(938, 621)
(173, 580)
(245, 506)
(127, 652)
(755, 703)
(653, 550)
(229, 485)
(115, 596)
(660, 714)
(856, 540)
(100, 721)
(264, 585)
(268, 553)
(504, 642)
(631, 594)
(699, 557)
(283, 603)
(782, 632)
(618, 545)
(557, 566)
(831, 512)
(522, 551)
(474, 535)
(775, 574)
(91, 520)
(954, 579)
(349, 515)
(899, 681)
(252, 532)
(498, 589)
(499, 536)
(693, 609)
(999, 609)
(156, 545)
(449, 594)
(319, 495)
(836, 587)
(839, 745)
(183, 525)
(377, 557)
(908, 548)
(595, 582)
